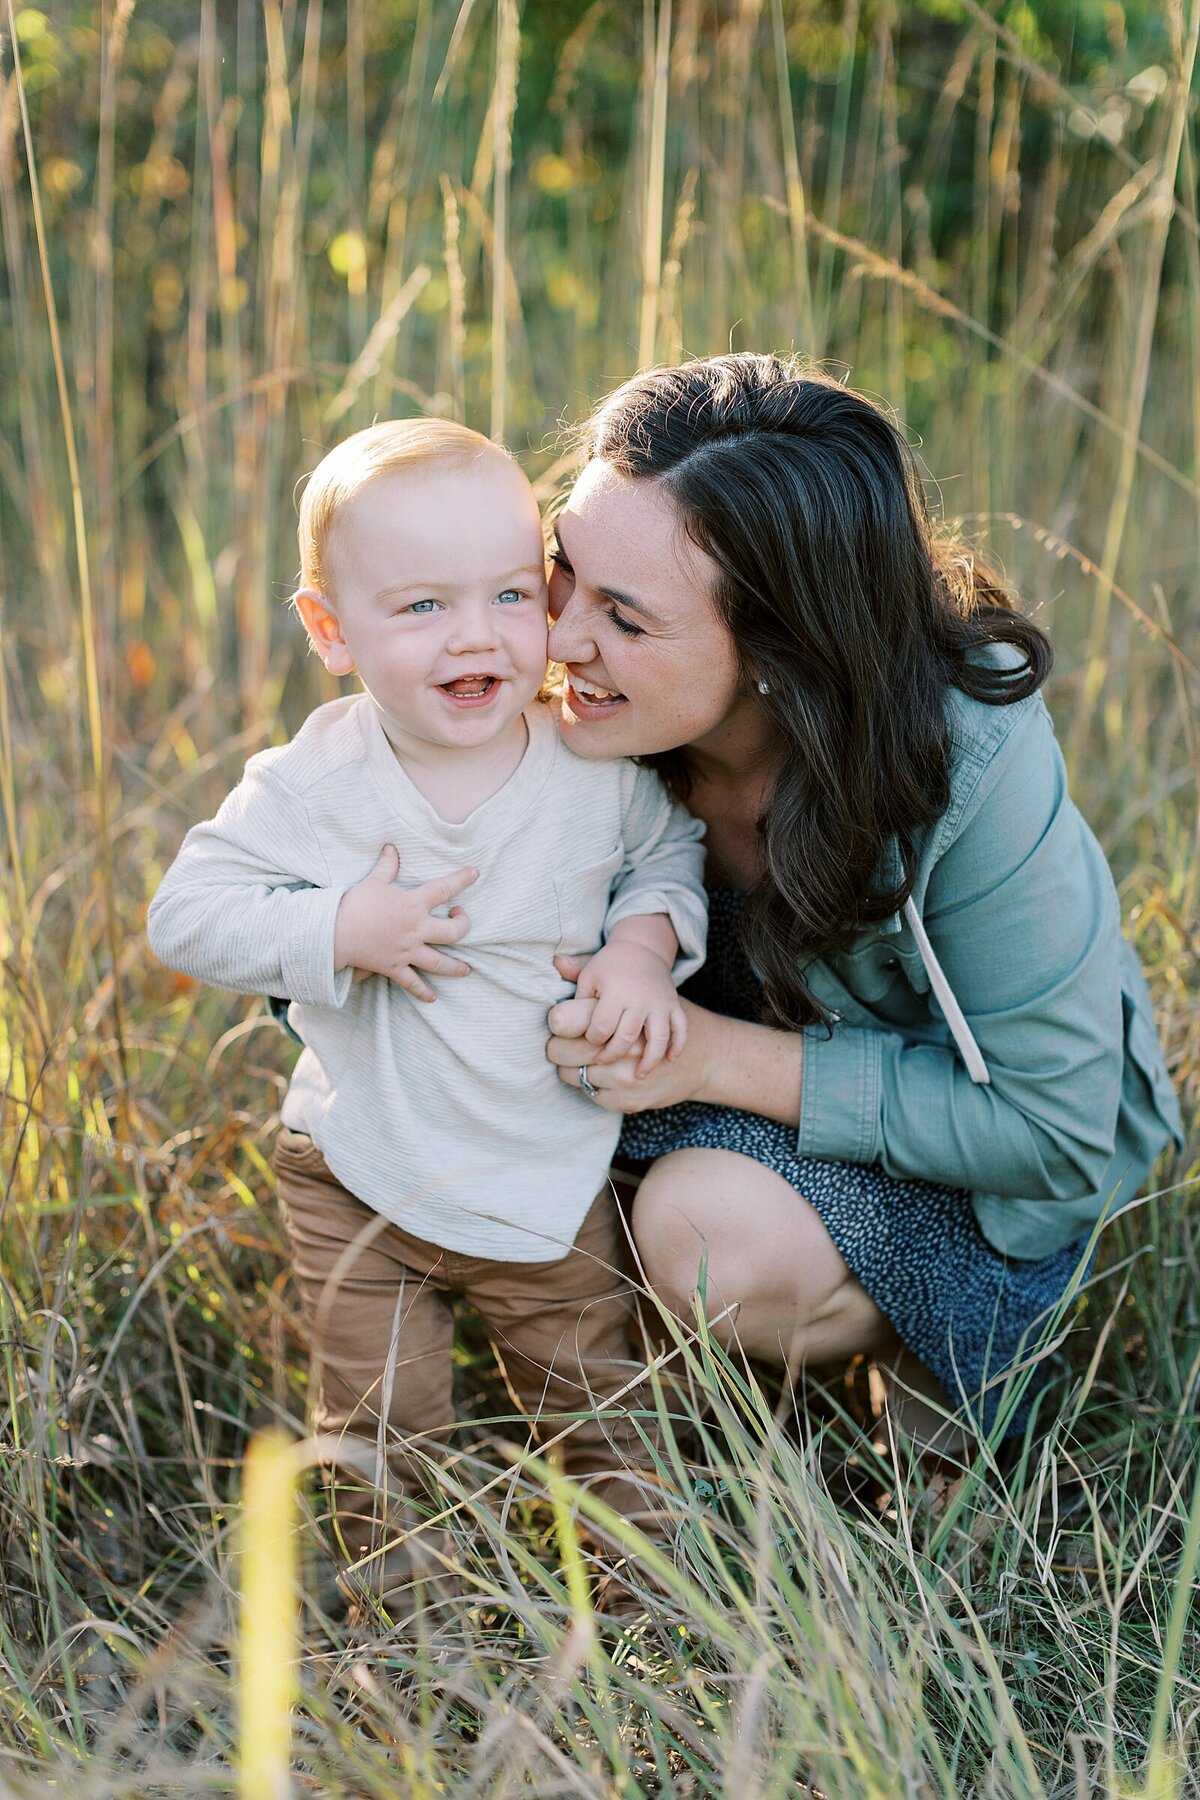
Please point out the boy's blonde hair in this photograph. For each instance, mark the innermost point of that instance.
(384, 449)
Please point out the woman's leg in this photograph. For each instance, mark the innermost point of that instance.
(763, 1255)
(774, 1282)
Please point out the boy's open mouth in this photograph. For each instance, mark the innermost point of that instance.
(470, 693)
(469, 687)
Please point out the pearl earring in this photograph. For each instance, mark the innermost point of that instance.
(764, 687)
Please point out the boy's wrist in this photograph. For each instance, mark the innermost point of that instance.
(342, 936)
(648, 931)
(348, 946)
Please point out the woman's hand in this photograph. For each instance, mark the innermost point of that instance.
(618, 1086)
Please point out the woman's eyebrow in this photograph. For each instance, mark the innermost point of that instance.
(615, 594)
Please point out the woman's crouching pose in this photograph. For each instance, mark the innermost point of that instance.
(921, 1061)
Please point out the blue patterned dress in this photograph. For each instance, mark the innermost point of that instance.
(966, 1311)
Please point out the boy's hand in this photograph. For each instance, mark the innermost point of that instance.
(634, 997)
(393, 931)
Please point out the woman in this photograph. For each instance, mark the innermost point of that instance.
(921, 1062)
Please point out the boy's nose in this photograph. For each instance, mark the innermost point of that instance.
(473, 629)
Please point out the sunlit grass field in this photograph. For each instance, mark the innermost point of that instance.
(235, 231)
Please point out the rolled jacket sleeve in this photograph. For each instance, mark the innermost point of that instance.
(1021, 912)
(248, 903)
(662, 870)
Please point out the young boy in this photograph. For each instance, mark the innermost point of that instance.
(428, 1147)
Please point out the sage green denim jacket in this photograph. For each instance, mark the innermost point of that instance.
(1020, 910)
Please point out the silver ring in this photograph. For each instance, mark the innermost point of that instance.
(585, 1083)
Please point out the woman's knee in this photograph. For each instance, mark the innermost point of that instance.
(770, 1276)
(700, 1226)
(671, 1241)
(714, 1210)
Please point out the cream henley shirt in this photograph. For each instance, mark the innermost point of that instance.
(446, 1118)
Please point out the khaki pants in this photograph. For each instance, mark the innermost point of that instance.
(378, 1303)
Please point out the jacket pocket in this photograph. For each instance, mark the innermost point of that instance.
(1155, 1093)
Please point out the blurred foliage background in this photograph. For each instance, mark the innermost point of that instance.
(268, 224)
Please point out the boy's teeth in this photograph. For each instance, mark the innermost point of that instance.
(469, 685)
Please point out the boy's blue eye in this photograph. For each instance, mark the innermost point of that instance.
(422, 606)
(508, 595)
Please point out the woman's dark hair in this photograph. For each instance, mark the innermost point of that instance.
(838, 593)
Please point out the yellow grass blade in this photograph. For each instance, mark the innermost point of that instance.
(504, 100)
(267, 1647)
(655, 181)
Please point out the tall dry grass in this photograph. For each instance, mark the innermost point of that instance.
(233, 233)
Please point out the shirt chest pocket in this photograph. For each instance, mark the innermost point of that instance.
(582, 896)
(885, 974)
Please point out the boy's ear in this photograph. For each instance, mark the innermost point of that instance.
(323, 630)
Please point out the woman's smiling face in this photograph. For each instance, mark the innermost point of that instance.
(650, 666)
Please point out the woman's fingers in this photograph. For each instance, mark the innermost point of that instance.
(627, 1086)
(571, 1018)
(678, 1033)
(615, 1083)
(569, 1050)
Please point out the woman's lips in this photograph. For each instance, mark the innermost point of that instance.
(589, 698)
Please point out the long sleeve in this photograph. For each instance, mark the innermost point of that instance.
(662, 870)
(1021, 912)
(248, 903)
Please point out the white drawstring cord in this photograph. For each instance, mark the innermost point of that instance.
(960, 1031)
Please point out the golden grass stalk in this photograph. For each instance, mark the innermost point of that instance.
(103, 435)
(578, 1646)
(838, 138)
(86, 609)
(891, 161)
(984, 240)
(874, 267)
(367, 363)
(1053, 92)
(652, 224)
(796, 204)
(1096, 666)
(1162, 1766)
(671, 311)
(504, 100)
(267, 1642)
(457, 288)
(8, 806)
